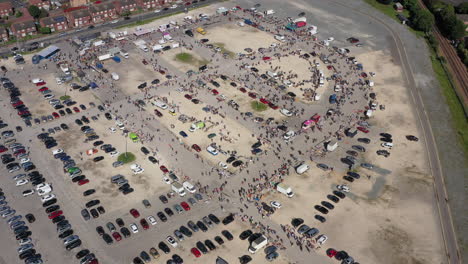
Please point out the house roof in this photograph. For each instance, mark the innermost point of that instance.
(125, 2)
(2, 30)
(5, 4)
(53, 20)
(80, 13)
(23, 25)
(101, 7)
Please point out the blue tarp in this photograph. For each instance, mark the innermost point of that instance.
(248, 22)
(116, 59)
(99, 65)
(93, 85)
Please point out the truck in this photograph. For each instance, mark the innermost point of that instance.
(257, 244)
(201, 30)
(64, 68)
(178, 188)
(197, 125)
(284, 189)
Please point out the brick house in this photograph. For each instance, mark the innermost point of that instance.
(44, 4)
(78, 17)
(55, 23)
(103, 11)
(6, 8)
(3, 34)
(149, 4)
(23, 29)
(125, 5)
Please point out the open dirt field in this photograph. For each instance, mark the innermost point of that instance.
(236, 38)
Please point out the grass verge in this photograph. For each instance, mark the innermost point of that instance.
(185, 57)
(258, 106)
(126, 157)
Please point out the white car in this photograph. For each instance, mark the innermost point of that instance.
(289, 135)
(57, 151)
(152, 220)
(25, 241)
(189, 187)
(286, 112)
(321, 239)
(173, 7)
(28, 192)
(114, 153)
(171, 241)
(47, 197)
(120, 125)
(275, 204)
(167, 180)
(137, 169)
(387, 145)
(330, 39)
(44, 191)
(21, 182)
(212, 151)
(134, 228)
(112, 129)
(24, 160)
(157, 11)
(343, 188)
(223, 165)
(49, 96)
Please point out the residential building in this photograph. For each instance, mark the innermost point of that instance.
(3, 34)
(6, 8)
(78, 16)
(23, 29)
(149, 4)
(55, 23)
(45, 4)
(103, 11)
(125, 5)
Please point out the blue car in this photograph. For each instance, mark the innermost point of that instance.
(256, 151)
(183, 134)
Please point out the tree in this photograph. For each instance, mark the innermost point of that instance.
(462, 8)
(432, 41)
(125, 13)
(45, 30)
(18, 14)
(34, 11)
(422, 20)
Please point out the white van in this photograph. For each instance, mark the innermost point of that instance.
(272, 74)
(115, 76)
(302, 168)
(124, 54)
(160, 105)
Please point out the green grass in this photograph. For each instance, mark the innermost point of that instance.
(126, 157)
(258, 106)
(460, 122)
(64, 97)
(185, 57)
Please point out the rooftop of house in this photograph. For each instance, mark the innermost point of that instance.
(53, 19)
(23, 25)
(101, 7)
(80, 13)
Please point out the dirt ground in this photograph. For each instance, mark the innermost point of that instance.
(391, 213)
(239, 38)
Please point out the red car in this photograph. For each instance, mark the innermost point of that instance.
(17, 104)
(164, 169)
(329, 67)
(83, 182)
(196, 252)
(40, 83)
(266, 58)
(23, 112)
(117, 236)
(43, 89)
(264, 101)
(188, 96)
(252, 95)
(331, 252)
(364, 75)
(363, 129)
(242, 89)
(273, 106)
(3, 149)
(55, 214)
(196, 147)
(55, 115)
(215, 92)
(76, 109)
(144, 224)
(135, 213)
(19, 152)
(185, 206)
(156, 112)
(144, 62)
(187, 4)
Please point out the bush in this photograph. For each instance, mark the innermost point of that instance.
(126, 157)
(422, 20)
(64, 97)
(432, 41)
(45, 30)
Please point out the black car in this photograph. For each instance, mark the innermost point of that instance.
(145, 256)
(333, 198)
(89, 192)
(144, 150)
(125, 232)
(108, 239)
(237, 163)
(389, 140)
(210, 244)
(354, 174)
(52, 208)
(49, 203)
(92, 203)
(321, 209)
(108, 116)
(339, 194)
(320, 218)
(94, 213)
(30, 217)
(155, 81)
(82, 253)
(168, 211)
(214, 218)
(78, 122)
(184, 230)
(385, 135)
(201, 247)
(297, 222)
(230, 159)
(412, 138)
(215, 83)
(78, 178)
(100, 230)
(328, 205)
(65, 234)
(228, 219)
(162, 216)
(163, 199)
(348, 178)
(364, 140)
(245, 234)
(177, 259)
(58, 219)
(162, 246)
(64, 126)
(99, 158)
(97, 143)
(137, 260)
(219, 240)
(359, 148)
(120, 222)
(153, 160)
(202, 226)
(245, 259)
(23, 235)
(101, 210)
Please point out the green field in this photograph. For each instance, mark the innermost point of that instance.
(258, 106)
(126, 157)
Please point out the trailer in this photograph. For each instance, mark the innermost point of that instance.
(104, 57)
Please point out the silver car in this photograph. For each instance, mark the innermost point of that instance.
(8, 213)
(178, 208)
(207, 221)
(70, 239)
(179, 235)
(16, 224)
(23, 248)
